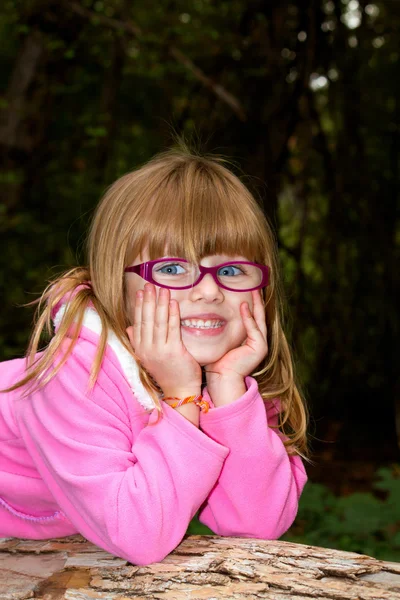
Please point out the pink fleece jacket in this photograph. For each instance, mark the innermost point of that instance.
(98, 464)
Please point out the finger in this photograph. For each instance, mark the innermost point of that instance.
(259, 312)
(160, 333)
(174, 323)
(149, 305)
(137, 320)
(252, 329)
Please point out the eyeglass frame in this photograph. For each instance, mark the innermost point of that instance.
(145, 269)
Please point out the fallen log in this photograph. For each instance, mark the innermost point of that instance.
(201, 568)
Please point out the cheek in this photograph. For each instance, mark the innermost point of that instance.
(240, 334)
(132, 286)
(236, 328)
(239, 329)
(236, 303)
(247, 297)
(180, 296)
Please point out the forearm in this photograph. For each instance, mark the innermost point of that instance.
(151, 478)
(225, 389)
(259, 486)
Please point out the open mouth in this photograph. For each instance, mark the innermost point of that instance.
(202, 324)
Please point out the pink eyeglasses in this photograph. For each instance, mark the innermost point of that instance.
(180, 274)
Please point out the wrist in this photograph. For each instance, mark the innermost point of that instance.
(186, 406)
(224, 388)
(176, 392)
(225, 378)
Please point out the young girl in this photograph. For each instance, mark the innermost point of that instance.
(111, 431)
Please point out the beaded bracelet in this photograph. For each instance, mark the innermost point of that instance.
(197, 400)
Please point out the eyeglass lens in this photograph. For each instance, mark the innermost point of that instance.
(176, 274)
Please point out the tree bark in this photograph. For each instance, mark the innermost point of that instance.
(201, 568)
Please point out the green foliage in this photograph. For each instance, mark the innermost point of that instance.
(359, 522)
(197, 528)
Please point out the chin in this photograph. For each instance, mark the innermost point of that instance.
(204, 358)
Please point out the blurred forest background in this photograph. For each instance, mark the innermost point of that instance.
(304, 96)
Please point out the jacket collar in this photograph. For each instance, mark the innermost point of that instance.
(129, 366)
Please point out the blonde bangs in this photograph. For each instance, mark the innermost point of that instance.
(200, 209)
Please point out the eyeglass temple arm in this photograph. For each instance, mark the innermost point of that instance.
(135, 269)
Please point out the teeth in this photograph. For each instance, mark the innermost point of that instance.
(201, 324)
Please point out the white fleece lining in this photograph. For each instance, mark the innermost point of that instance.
(91, 321)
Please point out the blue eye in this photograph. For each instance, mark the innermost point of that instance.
(171, 269)
(229, 271)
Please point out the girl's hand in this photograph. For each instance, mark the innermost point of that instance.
(156, 339)
(241, 361)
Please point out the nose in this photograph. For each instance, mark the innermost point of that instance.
(207, 289)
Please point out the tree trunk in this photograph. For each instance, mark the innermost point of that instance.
(26, 64)
(201, 568)
(16, 143)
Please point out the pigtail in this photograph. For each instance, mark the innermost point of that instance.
(75, 288)
(43, 364)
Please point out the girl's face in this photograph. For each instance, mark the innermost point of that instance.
(206, 301)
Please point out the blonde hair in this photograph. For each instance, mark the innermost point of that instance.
(194, 206)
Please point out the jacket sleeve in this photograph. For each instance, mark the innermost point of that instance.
(259, 487)
(132, 494)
